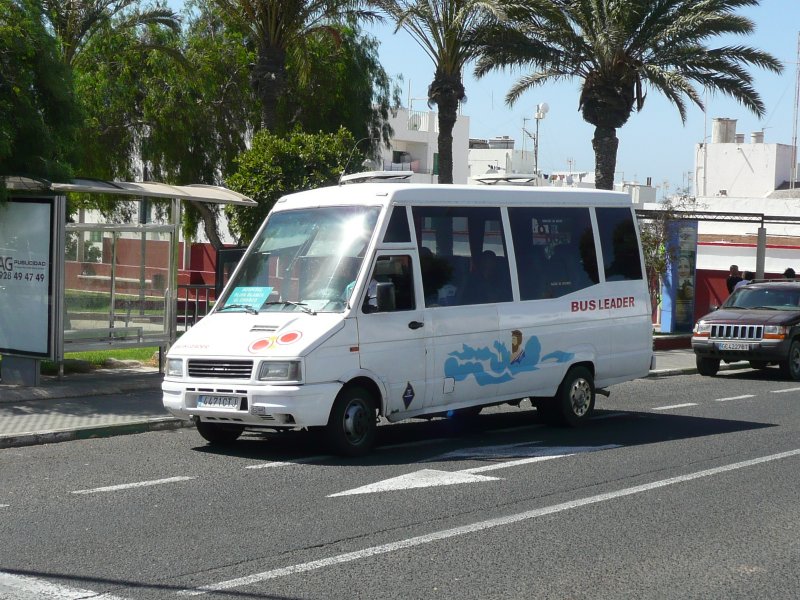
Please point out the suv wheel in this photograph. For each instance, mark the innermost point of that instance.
(791, 366)
(707, 366)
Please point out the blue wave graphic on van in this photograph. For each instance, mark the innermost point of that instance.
(493, 366)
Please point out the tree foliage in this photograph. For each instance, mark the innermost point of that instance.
(340, 82)
(619, 49)
(274, 29)
(276, 165)
(448, 31)
(37, 106)
(76, 23)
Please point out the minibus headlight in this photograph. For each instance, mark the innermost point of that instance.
(175, 367)
(285, 370)
(702, 328)
(775, 332)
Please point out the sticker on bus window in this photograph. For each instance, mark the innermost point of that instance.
(254, 297)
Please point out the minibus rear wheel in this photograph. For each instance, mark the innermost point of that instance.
(353, 422)
(574, 400)
(215, 433)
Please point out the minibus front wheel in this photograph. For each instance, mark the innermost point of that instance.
(215, 433)
(353, 422)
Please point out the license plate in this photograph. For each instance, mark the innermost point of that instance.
(218, 401)
(733, 346)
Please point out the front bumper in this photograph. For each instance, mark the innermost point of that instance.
(269, 406)
(761, 350)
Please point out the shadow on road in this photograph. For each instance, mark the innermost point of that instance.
(413, 441)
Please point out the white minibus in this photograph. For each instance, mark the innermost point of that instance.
(383, 300)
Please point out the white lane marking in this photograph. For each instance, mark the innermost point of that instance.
(4, 505)
(436, 477)
(612, 415)
(26, 587)
(675, 406)
(475, 527)
(411, 444)
(518, 428)
(797, 389)
(743, 397)
(299, 461)
(126, 486)
(269, 465)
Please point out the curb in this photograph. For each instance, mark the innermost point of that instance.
(86, 433)
(693, 370)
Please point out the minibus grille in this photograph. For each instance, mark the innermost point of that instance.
(220, 369)
(737, 332)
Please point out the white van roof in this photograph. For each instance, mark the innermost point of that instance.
(371, 194)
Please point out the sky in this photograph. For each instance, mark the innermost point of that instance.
(654, 142)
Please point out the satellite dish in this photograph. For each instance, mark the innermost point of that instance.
(543, 108)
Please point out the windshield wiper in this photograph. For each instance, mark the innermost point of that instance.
(301, 305)
(244, 307)
(764, 308)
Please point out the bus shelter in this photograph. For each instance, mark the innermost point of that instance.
(71, 287)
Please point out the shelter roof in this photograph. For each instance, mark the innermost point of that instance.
(149, 189)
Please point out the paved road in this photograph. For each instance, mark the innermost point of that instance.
(683, 487)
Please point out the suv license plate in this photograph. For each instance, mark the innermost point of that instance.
(215, 401)
(733, 346)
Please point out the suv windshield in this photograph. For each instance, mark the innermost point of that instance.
(303, 260)
(763, 297)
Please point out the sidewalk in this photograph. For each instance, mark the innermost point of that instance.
(120, 401)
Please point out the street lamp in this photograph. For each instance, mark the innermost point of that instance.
(541, 111)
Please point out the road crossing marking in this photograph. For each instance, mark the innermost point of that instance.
(797, 389)
(4, 505)
(26, 587)
(743, 397)
(475, 527)
(671, 406)
(127, 486)
(522, 453)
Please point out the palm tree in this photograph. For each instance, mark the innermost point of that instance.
(620, 48)
(276, 27)
(76, 22)
(448, 31)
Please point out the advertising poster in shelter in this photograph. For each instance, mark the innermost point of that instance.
(677, 296)
(26, 276)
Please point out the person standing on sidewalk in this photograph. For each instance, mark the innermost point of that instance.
(734, 277)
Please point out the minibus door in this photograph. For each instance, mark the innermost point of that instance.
(392, 332)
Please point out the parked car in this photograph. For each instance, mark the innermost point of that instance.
(759, 322)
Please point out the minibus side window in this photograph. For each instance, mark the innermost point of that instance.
(396, 271)
(555, 251)
(619, 243)
(463, 255)
(397, 230)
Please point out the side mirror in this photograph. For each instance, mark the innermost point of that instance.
(384, 295)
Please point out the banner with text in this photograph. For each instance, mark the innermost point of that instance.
(26, 276)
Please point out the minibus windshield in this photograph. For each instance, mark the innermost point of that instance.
(303, 260)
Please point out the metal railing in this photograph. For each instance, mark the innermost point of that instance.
(194, 303)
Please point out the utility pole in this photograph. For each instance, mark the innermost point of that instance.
(541, 111)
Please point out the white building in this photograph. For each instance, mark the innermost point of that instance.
(415, 146)
(735, 175)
